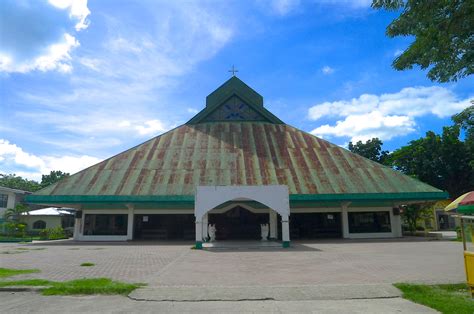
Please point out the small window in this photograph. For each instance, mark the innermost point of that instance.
(39, 224)
(3, 200)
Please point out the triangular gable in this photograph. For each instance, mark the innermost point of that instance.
(234, 101)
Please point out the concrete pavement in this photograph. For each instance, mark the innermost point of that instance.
(22, 302)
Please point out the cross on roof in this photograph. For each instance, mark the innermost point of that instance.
(233, 70)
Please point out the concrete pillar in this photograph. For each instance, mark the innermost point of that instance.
(285, 231)
(130, 223)
(205, 223)
(77, 228)
(345, 221)
(199, 233)
(273, 219)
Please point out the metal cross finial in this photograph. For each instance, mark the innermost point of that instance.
(233, 70)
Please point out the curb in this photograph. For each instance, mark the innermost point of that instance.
(22, 289)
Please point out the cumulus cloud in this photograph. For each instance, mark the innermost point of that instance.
(14, 159)
(387, 115)
(327, 70)
(284, 7)
(39, 35)
(151, 127)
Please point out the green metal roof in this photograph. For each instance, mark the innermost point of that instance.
(170, 166)
(235, 141)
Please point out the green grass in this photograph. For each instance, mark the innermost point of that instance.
(31, 249)
(76, 287)
(91, 286)
(12, 252)
(8, 272)
(87, 264)
(26, 282)
(447, 298)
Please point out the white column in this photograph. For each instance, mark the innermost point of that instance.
(130, 223)
(77, 228)
(199, 233)
(205, 222)
(273, 224)
(345, 221)
(396, 223)
(285, 231)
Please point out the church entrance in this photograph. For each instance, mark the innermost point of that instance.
(238, 223)
(164, 227)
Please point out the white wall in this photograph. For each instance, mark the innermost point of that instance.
(10, 202)
(51, 221)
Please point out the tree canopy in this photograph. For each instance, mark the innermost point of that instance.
(53, 177)
(13, 181)
(443, 32)
(372, 149)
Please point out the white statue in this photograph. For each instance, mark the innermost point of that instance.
(211, 231)
(264, 228)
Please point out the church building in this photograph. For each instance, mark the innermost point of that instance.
(236, 166)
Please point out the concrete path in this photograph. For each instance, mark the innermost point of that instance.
(33, 303)
(288, 293)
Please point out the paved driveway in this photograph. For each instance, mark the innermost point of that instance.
(331, 262)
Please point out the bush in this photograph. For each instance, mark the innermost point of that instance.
(55, 233)
(420, 228)
(15, 229)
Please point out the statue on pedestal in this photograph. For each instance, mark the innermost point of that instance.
(211, 231)
(264, 229)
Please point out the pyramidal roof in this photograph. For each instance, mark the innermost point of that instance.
(234, 140)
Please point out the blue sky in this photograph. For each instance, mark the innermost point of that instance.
(81, 81)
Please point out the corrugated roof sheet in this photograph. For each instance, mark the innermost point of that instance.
(235, 153)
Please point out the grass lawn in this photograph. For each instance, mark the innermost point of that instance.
(87, 264)
(448, 298)
(7, 272)
(73, 287)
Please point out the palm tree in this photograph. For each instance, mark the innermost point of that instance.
(14, 214)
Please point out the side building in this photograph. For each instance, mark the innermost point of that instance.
(237, 166)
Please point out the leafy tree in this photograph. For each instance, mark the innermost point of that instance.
(439, 160)
(16, 182)
(52, 177)
(413, 214)
(372, 149)
(443, 32)
(465, 120)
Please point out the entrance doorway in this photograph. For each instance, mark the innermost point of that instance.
(238, 223)
(315, 225)
(164, 227)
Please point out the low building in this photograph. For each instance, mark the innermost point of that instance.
(236, 166)
(9, 198)
(50, 217)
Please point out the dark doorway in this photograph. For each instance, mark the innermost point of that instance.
(238, 223)
(164, 227)
(315, 225)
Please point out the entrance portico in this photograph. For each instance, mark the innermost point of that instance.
(275, 197)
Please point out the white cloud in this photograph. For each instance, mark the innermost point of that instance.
(35, 35)
(151, 127)
(387, 115)
(362, 127)
(397, 52)
(13, 159)
(192, 110)
(327, 70)
(283, 7)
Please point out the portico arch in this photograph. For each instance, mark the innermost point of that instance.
(275, 197)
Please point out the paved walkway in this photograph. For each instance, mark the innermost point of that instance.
(317, 263)
(33, 303)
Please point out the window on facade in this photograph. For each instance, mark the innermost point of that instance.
(105, 224)
(3, 200)
(39, 224)
(369, 222)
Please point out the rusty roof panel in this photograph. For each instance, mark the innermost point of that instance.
(235, 153)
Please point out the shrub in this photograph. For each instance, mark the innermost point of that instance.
(55, 233)
(15, 229)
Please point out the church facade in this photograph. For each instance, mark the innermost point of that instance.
(236, 166)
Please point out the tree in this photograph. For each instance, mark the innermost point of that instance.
(465, 120)
(412, 214)
(14, 214)
(439, 160)
(372, 149)
(443, 32)
(13, 181)
(52, 177)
